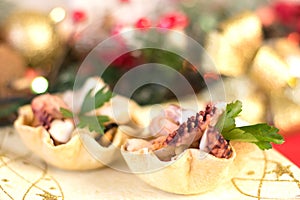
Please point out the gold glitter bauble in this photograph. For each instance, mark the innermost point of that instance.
(286, 114)
(273, 68)
(234, 45)
(33, 34)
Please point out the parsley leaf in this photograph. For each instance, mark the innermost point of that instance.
(91, 102)
(264, 132)
(66, 113)
(227, 119)
(94, 123)
(260, 134)
(239, 135)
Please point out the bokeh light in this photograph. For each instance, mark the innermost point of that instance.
(57, 14)
(39, 85)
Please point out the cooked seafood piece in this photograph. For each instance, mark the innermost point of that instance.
(192, 159)
(56, 139)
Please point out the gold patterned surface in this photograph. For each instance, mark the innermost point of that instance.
(266, 175)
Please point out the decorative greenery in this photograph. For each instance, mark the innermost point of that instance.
(260, 134)
(91, 102)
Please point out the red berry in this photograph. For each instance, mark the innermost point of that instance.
(173, 20)
(143, 23)
(31, 73)
(79, 16)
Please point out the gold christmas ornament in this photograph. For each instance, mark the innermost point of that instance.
(33, 34)
(286, 114)
(254, 100)
(234, 45)
(272, 67)
(276, 70)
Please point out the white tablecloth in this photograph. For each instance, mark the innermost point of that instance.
(23, 176)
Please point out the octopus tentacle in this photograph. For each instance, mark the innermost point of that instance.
(190, 133)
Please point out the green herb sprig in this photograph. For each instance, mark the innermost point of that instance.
(91, 102)
(260, 134)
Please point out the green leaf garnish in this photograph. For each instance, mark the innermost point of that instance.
(260, 134)
(94, 123)
(91, 102)
(66, 113)
(227, 119)
(239, 135)
(264, 132)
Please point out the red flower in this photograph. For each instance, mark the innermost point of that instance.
(173, 20)
(143, 23)
(288, 13)
(117, 58)
(128, 61)
(79, 16)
